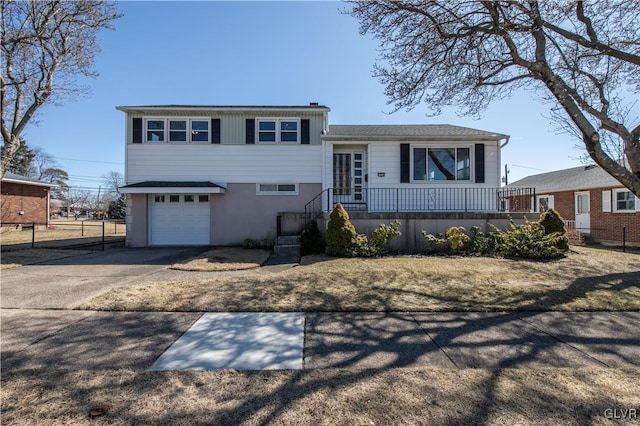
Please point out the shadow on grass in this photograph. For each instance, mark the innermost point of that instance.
(382, 377)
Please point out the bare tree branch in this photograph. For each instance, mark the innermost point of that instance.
(45, 46)
(583, 57)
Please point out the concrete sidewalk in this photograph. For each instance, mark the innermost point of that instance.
(65, 339)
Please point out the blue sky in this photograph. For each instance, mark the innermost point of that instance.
(256, 53)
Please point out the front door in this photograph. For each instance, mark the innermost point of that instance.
(583, 212)
(349, 177)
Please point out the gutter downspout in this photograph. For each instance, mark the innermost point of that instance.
(505, 143)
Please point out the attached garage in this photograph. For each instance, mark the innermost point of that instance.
(179, 219)
(178, 213)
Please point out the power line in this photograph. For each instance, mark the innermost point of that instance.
(531, 168)
(89, 161)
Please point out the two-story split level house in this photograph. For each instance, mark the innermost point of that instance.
(215, 175)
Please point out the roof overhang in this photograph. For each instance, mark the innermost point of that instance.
(161, 109)
(172, 187)
(430, 138)
(28, 182)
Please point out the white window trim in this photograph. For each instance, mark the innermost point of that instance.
(277, 120)
(440, 182)
(259, 192)
(614, 201)
(550, 197)
(167, 130)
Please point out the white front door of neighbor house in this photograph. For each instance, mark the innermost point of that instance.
(349, 177)
(583, 212)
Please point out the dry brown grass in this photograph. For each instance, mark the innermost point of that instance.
(588, 279)
(225, 259)
(320, 397)
(14, 259)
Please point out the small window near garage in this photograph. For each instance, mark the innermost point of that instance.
(189, 198)
(277, 189)
(203, 198)
(159, 199)
(624, 201)
(174, 198)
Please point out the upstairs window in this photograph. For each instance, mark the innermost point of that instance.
(199, 131)
(177, 130)
(441, 164)
(155, 130)
(278, 130)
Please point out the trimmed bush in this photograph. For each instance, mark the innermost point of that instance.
(311, 241)
(378, 243)
(454, 241)
(554, 224)
(341, 234)
(265, 243)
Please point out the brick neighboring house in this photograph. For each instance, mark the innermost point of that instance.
(24, 200)
(589, 200)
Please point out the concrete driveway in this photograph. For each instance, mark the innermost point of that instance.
(64, 283)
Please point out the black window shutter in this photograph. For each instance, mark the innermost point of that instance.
(137, 130)
(479, 162)
(304, 132)
(250, 131)
(405, 162)
(215, 130)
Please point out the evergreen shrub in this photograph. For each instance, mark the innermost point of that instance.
(341, 234)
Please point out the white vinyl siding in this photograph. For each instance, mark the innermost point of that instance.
(384, 158)
(224, 163)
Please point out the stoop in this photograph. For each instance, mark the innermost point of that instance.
(288, 245)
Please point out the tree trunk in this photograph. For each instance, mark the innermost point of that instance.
(9, 149)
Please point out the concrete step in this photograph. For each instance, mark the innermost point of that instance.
(289, 249)
(286, 240)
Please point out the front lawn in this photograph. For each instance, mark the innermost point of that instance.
(225, 259)
(396, 396)
(586, 279)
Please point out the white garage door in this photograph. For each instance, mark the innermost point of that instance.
(180, 219)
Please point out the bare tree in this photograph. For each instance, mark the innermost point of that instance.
(583, 57)
(113, 181)
(45, 46)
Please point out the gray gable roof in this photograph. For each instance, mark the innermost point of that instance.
(574, 179)
(418, 132)
(15, 178)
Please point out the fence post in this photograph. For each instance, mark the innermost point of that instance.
(624, 239)
(103, 235)
(33, 234)
(82, 228)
